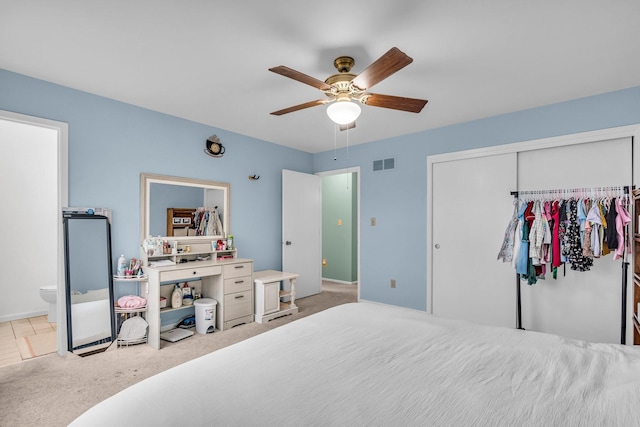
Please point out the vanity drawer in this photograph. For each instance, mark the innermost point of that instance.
(239, 321)
(236, 270)
(237, 284)
(237, 305)
(188, 273)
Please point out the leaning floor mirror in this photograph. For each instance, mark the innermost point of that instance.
(89, 282)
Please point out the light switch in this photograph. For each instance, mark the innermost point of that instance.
(373, 221)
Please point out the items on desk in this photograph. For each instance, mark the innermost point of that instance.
(176, 297)
(161, 263)
(187, 294)
(188, 322)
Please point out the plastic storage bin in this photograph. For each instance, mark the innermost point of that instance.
(205, 315)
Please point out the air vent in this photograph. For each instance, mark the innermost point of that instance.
(384, 164)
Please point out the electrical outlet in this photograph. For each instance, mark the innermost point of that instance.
(373, 221)
(393, 283)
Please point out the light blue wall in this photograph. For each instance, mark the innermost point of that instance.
(111, 143)
(396, 246)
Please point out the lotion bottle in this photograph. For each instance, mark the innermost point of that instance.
(176, 297)
(122, 266)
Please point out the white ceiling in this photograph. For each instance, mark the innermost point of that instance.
(207, 60)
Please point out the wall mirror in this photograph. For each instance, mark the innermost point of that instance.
(167, 201)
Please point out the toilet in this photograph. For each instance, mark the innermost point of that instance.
(50, 295)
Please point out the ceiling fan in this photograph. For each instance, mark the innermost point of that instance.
(344, 87)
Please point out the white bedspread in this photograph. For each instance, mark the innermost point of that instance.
(366, 364)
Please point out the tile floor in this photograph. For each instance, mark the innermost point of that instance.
(26, 338)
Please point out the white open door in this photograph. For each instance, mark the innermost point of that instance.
(302, 230)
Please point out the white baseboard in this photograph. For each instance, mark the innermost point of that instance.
(340, 281)
(19, 316)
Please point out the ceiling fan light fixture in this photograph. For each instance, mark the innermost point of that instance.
(343, 112)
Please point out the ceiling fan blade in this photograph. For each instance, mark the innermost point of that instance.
(382, 68)
(301, 77)
(411, 105)
(348, 126)
(300, 107)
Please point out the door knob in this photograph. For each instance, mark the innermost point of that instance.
(288, 243)
(437, 245)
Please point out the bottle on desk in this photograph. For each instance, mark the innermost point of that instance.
(176, 297)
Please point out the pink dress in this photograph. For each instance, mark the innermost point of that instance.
(622, 219)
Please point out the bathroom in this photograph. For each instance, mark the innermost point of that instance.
(32, 265)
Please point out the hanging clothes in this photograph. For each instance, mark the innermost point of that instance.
(523, 254)
(536, 235)
(604, 247)
(554, 230)
(573, 241)
(208, 222)
(622, 219)
(594, 224)
(547, 221)
(506, 251)
(582, 218)
(612, 234)
(555, 238)
(563, 230)
(587, 247)
(517, 242)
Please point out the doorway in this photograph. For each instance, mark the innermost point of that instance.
(341, 227)
(37, 160)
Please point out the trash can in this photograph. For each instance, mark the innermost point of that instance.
(205, 315)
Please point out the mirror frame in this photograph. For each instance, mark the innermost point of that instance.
(146, 179)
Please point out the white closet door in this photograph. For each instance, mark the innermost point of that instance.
(471, 200)
(584, 305)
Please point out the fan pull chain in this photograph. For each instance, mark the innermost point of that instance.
(347, 175)
(335, 132)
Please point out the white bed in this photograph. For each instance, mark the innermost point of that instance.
(377, 365)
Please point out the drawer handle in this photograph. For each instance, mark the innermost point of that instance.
(239, 266)
(239, 281)
(239, 296)
(195, 272)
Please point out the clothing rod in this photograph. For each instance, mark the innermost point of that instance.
(573, 191)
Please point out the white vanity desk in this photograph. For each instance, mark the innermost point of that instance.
(229, 282)
(222, 276)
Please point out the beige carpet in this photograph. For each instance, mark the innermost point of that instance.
(53, 390)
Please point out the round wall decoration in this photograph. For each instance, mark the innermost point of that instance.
(214, 147)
